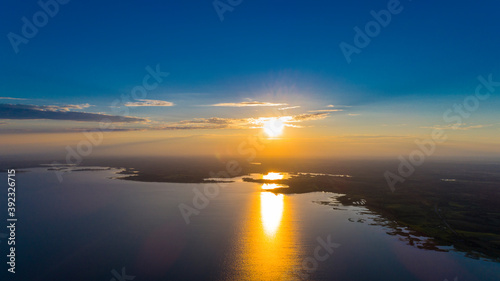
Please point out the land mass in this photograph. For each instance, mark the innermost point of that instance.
(452, 202)
(463, 213)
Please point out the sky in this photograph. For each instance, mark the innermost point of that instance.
(200, 77)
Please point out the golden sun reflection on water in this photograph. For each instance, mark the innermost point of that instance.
(270, 186)
(267, 248)
(271, 211)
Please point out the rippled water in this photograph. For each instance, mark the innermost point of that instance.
(91, 224)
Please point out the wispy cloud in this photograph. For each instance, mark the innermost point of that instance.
(212, 120)
(9, 98)
(326, 110)
(193, 127)
(207, 124)
(144, 102)
(54, 108)
(337, 106)
(241, 123)
(248, 103)
(66, 130)
(56, 112)
(353, 114)
(309, 117)
(463, 127)
(62, 108)
(289, 107)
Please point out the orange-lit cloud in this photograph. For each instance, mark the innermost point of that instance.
(240, 123)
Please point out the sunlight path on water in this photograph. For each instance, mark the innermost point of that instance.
(268, 243)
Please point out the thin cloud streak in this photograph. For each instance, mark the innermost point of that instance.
(326, 110)
(462, 127)
(241, 123)
(248, 103)
(290, 107)
(145, 102)
(54, 112)
(9, 98)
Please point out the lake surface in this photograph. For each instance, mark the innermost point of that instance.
(92, 226)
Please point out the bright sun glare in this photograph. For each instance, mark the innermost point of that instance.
(274, 127)
(272, 176)
(271, 208)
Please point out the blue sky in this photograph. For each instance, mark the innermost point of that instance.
(426, 59)
(99, 48)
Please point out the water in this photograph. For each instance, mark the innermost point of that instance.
(91, 226)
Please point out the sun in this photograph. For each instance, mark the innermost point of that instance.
(274, 127)
(273, 176)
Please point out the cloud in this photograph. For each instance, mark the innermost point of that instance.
(145, 102)
(290, 107)
(53, 108)
(241, 123)
(249, 103)
(9, 98)
(207, 123)
(212, 120)
(353, 114)
(54, 112)
(309, 117)
(62, 108)
(337, 106)
(326, 110)
(191, 127)
(462, 127)
(66, 130)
